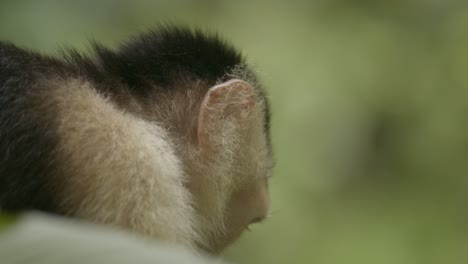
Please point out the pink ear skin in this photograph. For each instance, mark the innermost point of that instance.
(237, 95)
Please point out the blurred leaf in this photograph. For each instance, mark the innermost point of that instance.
(7, 220)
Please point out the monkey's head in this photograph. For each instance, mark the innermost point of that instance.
(223, 138)
(216, 114)
(231, 161)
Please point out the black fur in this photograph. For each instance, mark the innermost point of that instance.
(155, 60)
(158, 57)
(26, 143)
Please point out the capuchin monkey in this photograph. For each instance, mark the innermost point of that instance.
(166, 136)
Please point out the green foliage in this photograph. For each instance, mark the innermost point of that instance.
(6, 221)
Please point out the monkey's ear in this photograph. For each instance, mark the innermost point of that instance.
(233, 99)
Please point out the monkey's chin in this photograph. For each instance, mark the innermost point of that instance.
(214, 249)
(208, 250)
(217, 247)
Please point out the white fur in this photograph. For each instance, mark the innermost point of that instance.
(120, 169)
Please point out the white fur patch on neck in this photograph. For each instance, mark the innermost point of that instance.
(119, 169)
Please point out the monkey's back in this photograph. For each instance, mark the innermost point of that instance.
(67, 148)
(26, 136)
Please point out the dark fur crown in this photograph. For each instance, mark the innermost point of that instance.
(161, 56)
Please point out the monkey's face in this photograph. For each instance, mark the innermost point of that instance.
(231, 187)
(247, 206)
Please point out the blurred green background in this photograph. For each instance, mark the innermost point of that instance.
(370, 115)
